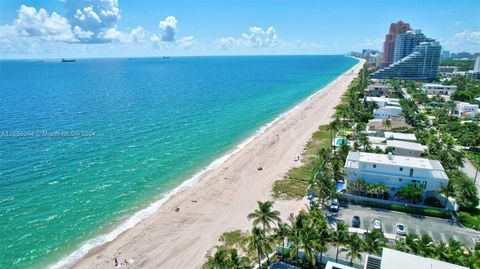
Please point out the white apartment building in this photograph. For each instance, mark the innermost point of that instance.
(400, 136)
(438, 89)
(387, 112)
(396, 171)
(404, 148)
(378, 89)
(467, 110)
(383, 101)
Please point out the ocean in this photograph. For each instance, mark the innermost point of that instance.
(87, 147)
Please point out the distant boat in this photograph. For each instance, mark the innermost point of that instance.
(165, 57)
(68, 60)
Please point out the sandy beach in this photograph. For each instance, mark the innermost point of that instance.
(224, 196)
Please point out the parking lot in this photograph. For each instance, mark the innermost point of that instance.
(438, 229)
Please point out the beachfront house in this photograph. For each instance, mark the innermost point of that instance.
(395, 259)
(383, 101)
(378, 90)
(404, 148)
(438, 89)
(387, 112)
(467, 110)
(400, 136)
(396, 172)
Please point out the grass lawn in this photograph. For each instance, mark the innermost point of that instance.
(295, 183)
(470, 218)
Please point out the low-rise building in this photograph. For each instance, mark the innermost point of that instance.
(378, 89)
(467, 110)
(404, 148)
(396, 172)
(387, 112)
(383, 101)
(400, 136)
(447, 69)
(438, 89)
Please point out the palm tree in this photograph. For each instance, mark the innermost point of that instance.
(258, 243)
(355, 247)
(281, 233)
(339, 236)
(441, 252)
(374, 242)
(323, 237)
(219, 260)
(387, 124)
(448, 190)
(264, 215)
(364, 142)
(426, 247)
(308, 243)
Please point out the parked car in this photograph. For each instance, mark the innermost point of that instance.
(400, 229)
(377, 224)
(334, 206)
(356, 222)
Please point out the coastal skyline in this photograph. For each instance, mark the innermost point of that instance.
(95, 28)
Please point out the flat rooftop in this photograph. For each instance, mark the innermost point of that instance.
(436, 85)
(406, 145)
(400, 136)
(354, 158)
(392, 259)
(381, 99)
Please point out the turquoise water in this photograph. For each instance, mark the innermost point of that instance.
(85, 145)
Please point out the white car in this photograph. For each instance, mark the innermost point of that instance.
(377, 224)
(400, 229)
(334, 206)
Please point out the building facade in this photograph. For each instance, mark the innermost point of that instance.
(438, 89)
(378, 90)
(387, 112)
(390, 38)
(405, 43)
(467, 110)
(396, 171)
(421, 64)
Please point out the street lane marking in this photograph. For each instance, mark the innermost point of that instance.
(431, 235)
(443, 238)
(418, 232)
(455, 237)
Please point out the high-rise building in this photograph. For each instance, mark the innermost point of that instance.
(476, 67)
(445, 55)
(405, 43)
(390, 38)
(421, 64)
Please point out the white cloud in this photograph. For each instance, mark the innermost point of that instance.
(371, 43)
(256, 37)
(169, 27)
(98, 18)
(463, 41)
(39, 24)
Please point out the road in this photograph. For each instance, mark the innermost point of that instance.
(438, 229)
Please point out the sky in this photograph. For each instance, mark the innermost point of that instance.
(138, 28)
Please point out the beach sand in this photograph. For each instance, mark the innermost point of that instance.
(225, 195)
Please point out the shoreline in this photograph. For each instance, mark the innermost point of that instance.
(132, 239)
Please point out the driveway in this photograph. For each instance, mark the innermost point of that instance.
(438, 229)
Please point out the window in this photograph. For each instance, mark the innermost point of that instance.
(374, 166)
(400, 179)
(411, 171)
(401, 169)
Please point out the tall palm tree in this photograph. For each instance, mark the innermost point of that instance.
(258, 243)
(374, 242)
(448, 190)
(355, 247)
(387, 124)
(219, 260)
(308, 243)
(339, 237)
(264, 215)
(281, 233)
(323, 237)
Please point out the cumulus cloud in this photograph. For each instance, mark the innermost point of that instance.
(256, 37)
(94, 20)
(463, 41)
(39, 24)
(169, 27)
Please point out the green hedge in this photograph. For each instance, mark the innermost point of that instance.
(470, 218)
(437, 213)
